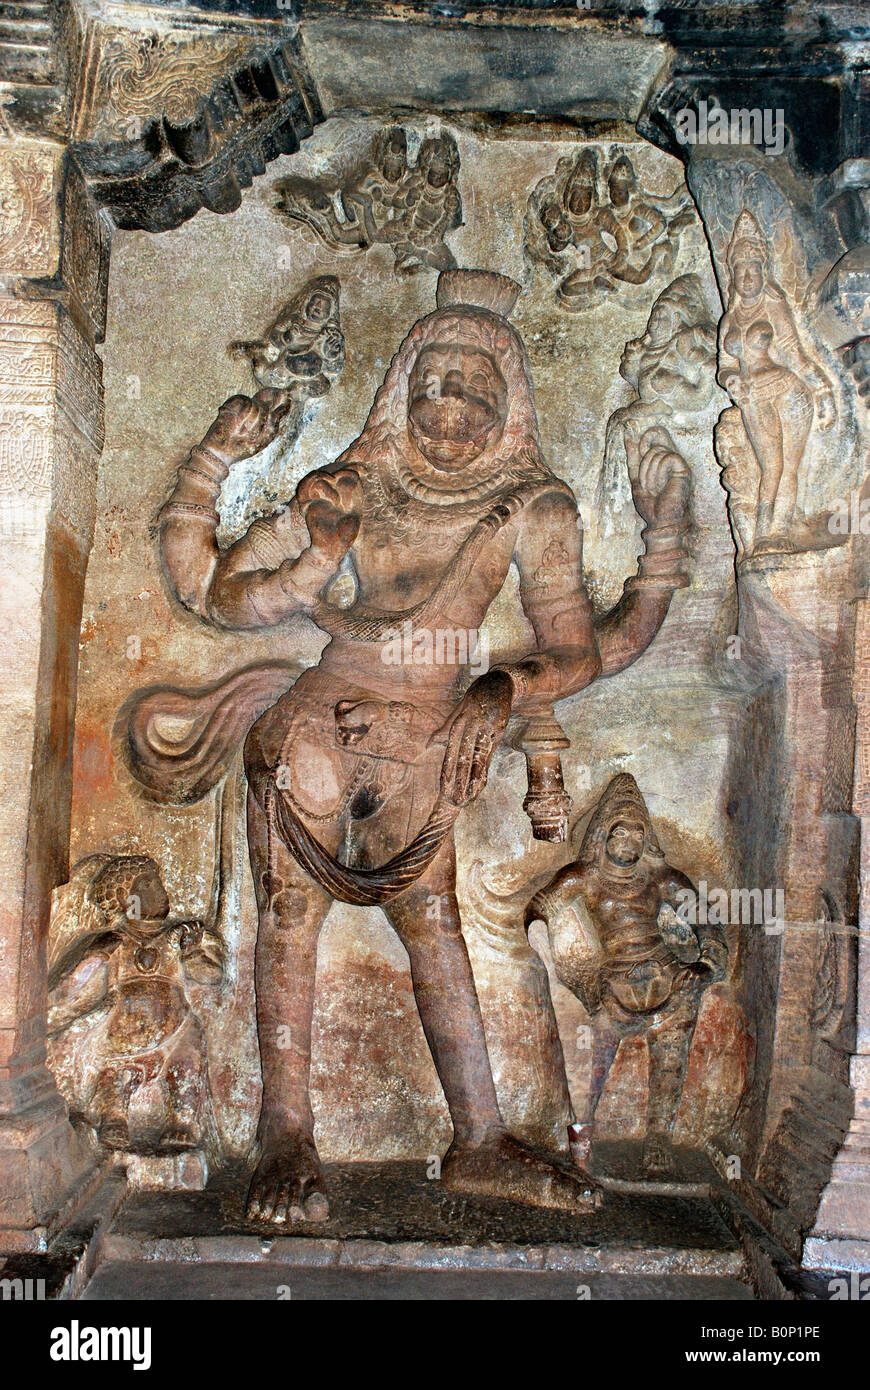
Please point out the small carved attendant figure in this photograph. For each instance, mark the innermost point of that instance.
(579, 231)
(429, 209)
(126, 1047)
(650, 238)
(445, 488)
(303, 351)
(595, 244)
(371, 200)
(635, 965)
(767, 373)
(672, 362)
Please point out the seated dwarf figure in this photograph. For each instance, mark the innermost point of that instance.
(125, 1045)
(620, 945)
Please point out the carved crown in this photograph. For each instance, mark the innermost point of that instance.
(482, 289)
(746, 233)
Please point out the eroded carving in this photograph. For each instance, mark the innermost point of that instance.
(84, 255)
(29, 223)
(128, 77)
(592, 241)
(390, 201)
(125, 1042)
(302, 352)
(166, 170)
(671, 368)
(622, 941)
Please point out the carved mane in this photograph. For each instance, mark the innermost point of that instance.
(386, 442)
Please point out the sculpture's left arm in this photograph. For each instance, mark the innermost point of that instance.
(661, 489)
(790, 350)
(549, 557)
(571, 649)
(712, 962)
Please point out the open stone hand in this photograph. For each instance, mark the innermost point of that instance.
(473, 731)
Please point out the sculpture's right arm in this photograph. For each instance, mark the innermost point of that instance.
(281, 564)
(268, 575)
(79, 992)
(728, 366)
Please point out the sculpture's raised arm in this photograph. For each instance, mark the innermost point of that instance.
(661, 490)
(575, 941)
(281, 564)
(573, 649)
(549, 558)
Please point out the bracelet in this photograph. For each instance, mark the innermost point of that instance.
(665, 582)
(219, 469)
(208, 453)
(518, 680)
(196, 508)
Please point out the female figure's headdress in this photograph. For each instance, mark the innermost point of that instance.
(747, 243)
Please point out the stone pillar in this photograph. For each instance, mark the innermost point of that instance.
(53, 272)
(797, 618)
(840, 1238)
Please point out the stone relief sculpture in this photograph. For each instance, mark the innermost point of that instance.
(444, 488)
(777, 387)
(623, 943)
(302, 352)
(125, 1043)
(593, 243)
(389, 201)
(671, 368)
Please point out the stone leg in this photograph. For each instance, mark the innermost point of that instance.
(605, 1045)
(483, 1157)
(668, 1060)
(426, 919)
(287, 1184)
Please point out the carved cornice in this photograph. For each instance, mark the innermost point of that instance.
(136, 64)
(258, 111)
(170, 108)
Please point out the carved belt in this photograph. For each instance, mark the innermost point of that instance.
(362, 887)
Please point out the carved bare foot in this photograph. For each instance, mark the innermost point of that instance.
(288, 1182)
(503, 1167)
